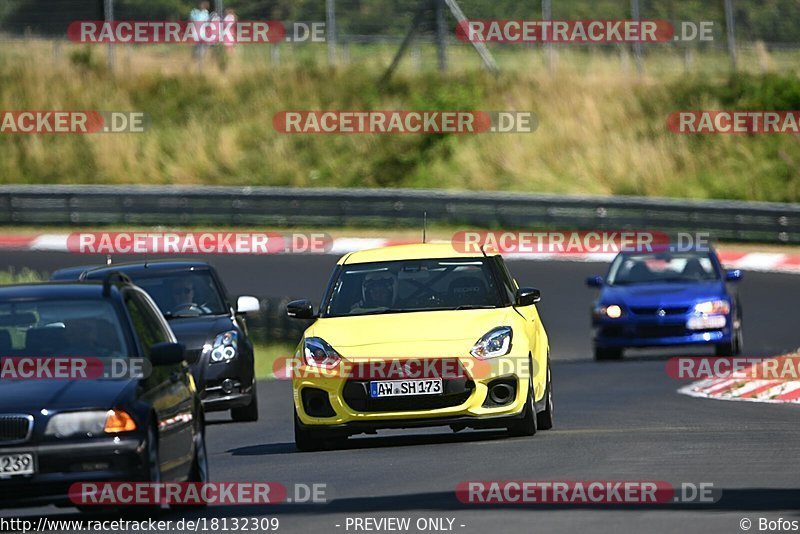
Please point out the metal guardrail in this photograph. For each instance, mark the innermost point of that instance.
(286, 207)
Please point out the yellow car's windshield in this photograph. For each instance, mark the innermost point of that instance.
(414, 285)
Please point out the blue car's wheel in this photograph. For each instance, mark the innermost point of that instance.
(607, 353)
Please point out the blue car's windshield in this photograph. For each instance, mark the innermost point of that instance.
(413, 285)
(89, 328)
(662, 267)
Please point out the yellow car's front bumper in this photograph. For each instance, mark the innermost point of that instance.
(345, 404)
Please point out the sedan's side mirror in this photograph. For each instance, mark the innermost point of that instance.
(167, 353)
(594, 281)
(733, 276)
(247, 304)
(300, 309)
(527, 296)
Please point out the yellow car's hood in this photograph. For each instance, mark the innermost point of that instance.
(429, 333)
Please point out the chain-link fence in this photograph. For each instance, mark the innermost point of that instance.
(765, 36)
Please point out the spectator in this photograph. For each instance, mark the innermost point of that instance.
(199, 16)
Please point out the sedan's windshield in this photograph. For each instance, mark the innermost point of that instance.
(413, 285)
(662, 267)
(183, 293)
(89, 328)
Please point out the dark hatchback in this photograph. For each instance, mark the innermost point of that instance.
(55, 432)
(193, 299)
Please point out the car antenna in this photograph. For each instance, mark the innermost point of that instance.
(108, 259)
(424, 227)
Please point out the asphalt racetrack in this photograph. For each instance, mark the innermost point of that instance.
(614, 421)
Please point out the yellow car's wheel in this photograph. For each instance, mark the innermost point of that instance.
(544, 419)
(526, 426)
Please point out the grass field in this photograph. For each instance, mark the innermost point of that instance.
(602, 129)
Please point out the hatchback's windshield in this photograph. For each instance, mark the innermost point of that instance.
(662, 267)
(413, 285)
(183, 293)
(87, 328)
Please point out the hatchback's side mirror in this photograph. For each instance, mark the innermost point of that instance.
(733, 276)
(167, 353)
(594, 281)
(300, 309)
(247, 304)
(526, 296)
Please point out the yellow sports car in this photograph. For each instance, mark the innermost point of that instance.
(420, 335)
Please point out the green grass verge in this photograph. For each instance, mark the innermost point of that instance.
(21, 276)
(266, 356)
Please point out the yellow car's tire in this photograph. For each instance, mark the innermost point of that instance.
(309, 440)
(526, 426)
(544, 419)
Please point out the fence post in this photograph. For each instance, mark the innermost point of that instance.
(547, 14)
(108, 15)
(730, 22)
(330, 16)
(637, 46)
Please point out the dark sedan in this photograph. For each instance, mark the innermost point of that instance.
(56, 431)
(193, 299)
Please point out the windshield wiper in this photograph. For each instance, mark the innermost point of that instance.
(476, 307)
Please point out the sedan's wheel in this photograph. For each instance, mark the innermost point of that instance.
(604, 354)
(153, 467)
(544, 419)
(527, 425)
(199, 471)
(249, 412)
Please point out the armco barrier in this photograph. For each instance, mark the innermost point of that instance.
(280, 207)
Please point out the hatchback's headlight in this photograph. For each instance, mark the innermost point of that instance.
(713, 307)
(225, 347)
(319, 353)
(496, 342)
(89, 423)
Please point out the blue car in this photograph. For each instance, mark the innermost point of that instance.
(663, 299)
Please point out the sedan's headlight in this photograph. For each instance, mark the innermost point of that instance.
(89, 424)
(713, 307)
(496, 342)
(319, 353)
(225, 347)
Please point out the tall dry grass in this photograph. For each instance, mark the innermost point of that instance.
(602, 128)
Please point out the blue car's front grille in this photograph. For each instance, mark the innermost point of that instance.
(660, 312)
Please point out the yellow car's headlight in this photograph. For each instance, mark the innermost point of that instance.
(496, 342)
(319, 353)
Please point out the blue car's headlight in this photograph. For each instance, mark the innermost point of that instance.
(709, 315)
(496, 342)
(612, 311)
(225, 347)
(713, 307)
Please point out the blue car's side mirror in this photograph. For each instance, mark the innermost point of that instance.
(594, 281)
(733, 276)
